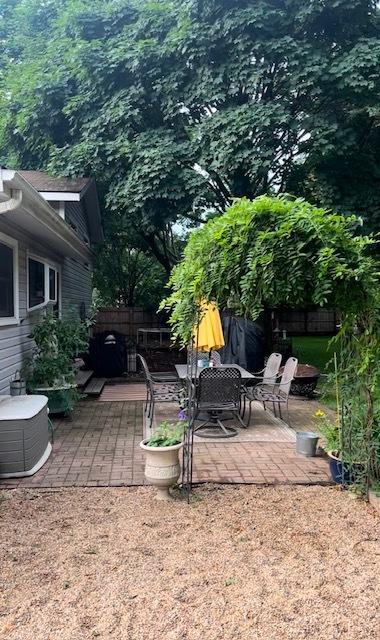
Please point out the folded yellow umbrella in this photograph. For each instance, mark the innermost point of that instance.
(208, 334)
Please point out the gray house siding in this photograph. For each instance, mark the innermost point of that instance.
(41, 231)
(15, 344)
(75, 287)
(76, 218)
(76, 274)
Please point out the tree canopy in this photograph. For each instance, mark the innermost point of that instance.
(128, 277)
(177, 107)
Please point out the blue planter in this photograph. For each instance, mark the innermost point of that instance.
(340, 472)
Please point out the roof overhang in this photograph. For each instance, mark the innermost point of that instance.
(22, 205)
(58, 196)
(89, 198)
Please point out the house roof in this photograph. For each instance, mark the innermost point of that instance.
(84, 187)
(43, 182)
(22, 205)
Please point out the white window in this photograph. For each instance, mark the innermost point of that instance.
(9, 310)
(42, 283)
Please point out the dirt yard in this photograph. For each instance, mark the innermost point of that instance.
(238, 563)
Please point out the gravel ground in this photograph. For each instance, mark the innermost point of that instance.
(238, 563)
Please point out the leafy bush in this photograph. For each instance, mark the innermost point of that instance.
(57, 343)
(167, 434)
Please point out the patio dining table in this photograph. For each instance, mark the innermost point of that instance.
(182, 371)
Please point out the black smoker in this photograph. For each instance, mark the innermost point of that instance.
(111, 354)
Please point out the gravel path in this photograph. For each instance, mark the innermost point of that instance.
(238, 563)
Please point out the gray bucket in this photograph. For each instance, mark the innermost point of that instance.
(306, 443)
(17, 388)
(17, 385)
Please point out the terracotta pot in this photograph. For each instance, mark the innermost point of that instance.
(162, 467)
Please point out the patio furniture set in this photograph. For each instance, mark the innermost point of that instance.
(221, 392)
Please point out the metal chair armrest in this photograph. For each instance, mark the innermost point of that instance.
(158, 384)
(264, 388)
(276, 387)
(286, 380)
(266, 377)
(164, 376)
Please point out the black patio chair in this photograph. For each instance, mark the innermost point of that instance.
(157, 376)
(217, 391)
(160, 387)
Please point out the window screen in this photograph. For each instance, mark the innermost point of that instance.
(7, 309)
(36, 283)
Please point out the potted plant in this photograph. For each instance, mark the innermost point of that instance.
(162, 467)
(343, 469)
(51, 370)
(331, 434)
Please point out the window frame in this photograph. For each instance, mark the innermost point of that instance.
(47, 266)
(12, 244)
(50, 267)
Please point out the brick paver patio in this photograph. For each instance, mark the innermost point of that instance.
(99, 446)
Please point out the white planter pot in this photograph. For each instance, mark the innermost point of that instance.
(162, 467)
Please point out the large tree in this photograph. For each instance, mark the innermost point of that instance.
(179, 106)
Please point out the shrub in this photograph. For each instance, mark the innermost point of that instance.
(57, 343)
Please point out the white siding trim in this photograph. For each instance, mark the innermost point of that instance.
(15, 319)
(59, 196)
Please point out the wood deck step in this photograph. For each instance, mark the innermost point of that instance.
(125, 392)
(95, 386)
(82, 377)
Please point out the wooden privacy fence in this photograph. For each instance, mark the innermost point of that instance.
(126, 320)
(318, 322)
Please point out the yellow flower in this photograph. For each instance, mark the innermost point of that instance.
(319, 413)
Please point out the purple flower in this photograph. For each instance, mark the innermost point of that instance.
(182, 414)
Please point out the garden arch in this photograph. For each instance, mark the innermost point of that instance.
(280, 251)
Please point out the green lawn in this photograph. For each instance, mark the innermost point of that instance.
(314, 350)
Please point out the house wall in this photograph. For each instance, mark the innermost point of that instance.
(76, 275)
(75, 216)
(75, 287)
